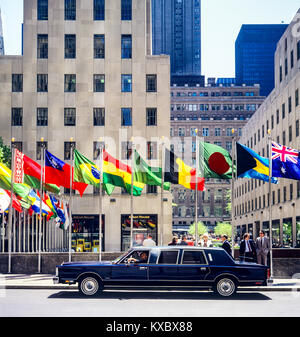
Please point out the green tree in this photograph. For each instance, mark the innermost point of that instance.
(5, 154)
(223, 228)
(201, 228)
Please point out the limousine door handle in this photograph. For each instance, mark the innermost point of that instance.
(143, 268)
(203, 268)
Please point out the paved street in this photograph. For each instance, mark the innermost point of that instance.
(69, 303)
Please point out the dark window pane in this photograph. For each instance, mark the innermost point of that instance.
(126, 47)
(126, 118)
(151, 189)
(99, 46)
(191, 257)
(151, 83)
(151, 150)
(168, 257)
(99, 83)
(42, 10)
(96, 152)
(126, 148)
(39, 148)
(42, 46)
(126, 83)
(16, 116)
(70, 117)
(42, 82)
(99, 9)
(70, 46)
(17, 82)
(70, 83)
(151, 116)
(42, 117)
(67, 148)
(126, 9)
(70, 9)
(99, 116)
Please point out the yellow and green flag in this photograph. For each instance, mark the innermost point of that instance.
(85, 171)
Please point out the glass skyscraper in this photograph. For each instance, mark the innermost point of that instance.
(254, 55)
(176, 31)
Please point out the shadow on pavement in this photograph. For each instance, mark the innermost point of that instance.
(125, 295)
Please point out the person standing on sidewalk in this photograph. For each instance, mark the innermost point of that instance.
(247, 249)
(226, 245)
(262, 248)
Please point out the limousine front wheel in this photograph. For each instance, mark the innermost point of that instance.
(225, 287)
(90, 286)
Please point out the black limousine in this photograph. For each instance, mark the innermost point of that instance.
(181, 267)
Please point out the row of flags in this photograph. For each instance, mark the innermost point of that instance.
(214, 162)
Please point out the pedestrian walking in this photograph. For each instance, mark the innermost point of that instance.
(149, 241)
(262, 248)
(173, 242)
(247, 249)
(205, 242)
(183, 241)
(226, 245)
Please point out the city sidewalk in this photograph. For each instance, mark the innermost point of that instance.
(45, 281)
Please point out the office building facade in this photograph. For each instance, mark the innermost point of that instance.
(254, 55)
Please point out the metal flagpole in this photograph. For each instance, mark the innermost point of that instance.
(196, 189)
(162, 191)
(270, 204)
(71, 200)
(232, 189)
(100, 200)
(41, 206)
(11, 202)
(131, 194)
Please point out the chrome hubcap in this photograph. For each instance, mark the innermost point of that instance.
(226, 287)
(89, 286)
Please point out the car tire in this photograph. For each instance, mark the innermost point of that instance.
(90, 286)
(225, 287)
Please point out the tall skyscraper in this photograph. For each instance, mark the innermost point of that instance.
(254, 55)
(1, 36)
(177, 32)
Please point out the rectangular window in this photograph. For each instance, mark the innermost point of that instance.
(205, 132)
(283, 110)
(151, 116)
(126, 9)
(277, 116)
(290, 133)
(70, 83)
(297, 97)
(168, 257)
(285, 67)
(42, 83)
(42, 117)
(67, 150)
(96, 149)
(70, 117)
(284, 194)
(126, 117)
(126, 83)
(99, 46)
(297, 128)
(99, 116)
(70, 46)
(151, 83)
(217, 132)
(16, 116)
(283, 138)
(99, 10)
(39, 149)
(151, 150)
(291, 191)
(42, 10)
(70, 9)
(292, 59)
(280, 73)
(193, 257)
(151, 189)
(298, 50)
(17, 82)
(99, 83)
(126, 148)
(290, 104)
(126, 46)
(42, 46)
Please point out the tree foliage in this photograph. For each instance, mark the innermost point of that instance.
(5, 154)
(201, 228)
(223, 228)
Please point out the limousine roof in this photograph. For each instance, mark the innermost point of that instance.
(176, 247)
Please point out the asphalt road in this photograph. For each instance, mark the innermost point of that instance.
(69, 303)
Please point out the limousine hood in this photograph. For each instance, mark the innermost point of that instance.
(91, 263)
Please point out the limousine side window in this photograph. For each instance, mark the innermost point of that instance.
(168, 257)
(193, 257)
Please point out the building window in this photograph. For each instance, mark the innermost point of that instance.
(285, 66)
(17, 82)
(70, 46)
(99, 83)
(67, 150)
(70, 117)
(297, 97)
(277, 116)
(42, 10)
(99, 10)
(290, 133)
(70, 9)
(39, 149)
(290, 104)
(283, 110)
(70, 83)
(126, 47)
(96, 150)
(126, 9)
(217, 132)
(99, 116)
(99, 46)
(18, 146)
(42, 83)
(229, 146)
(298, 50)
(283, 138)
(292, 59)
(280, 73)
(126, 148)
(42, 46)
(151, 116)
(126, 83)
(297, 128)
(205, 132)
(151, 150)
(151, 189)
(126, 117)
(42, 117)
(16, 116)
(151, 83)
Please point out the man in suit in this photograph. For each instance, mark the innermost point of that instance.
(247, 249)
(226, 244)
(262, 248)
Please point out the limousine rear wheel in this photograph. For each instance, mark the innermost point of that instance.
(225, 287)
(90, 286)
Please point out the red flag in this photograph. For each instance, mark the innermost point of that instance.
(16, 203)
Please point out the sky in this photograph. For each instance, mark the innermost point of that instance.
(221, 22)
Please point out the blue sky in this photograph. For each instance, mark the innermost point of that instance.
(221, 22)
